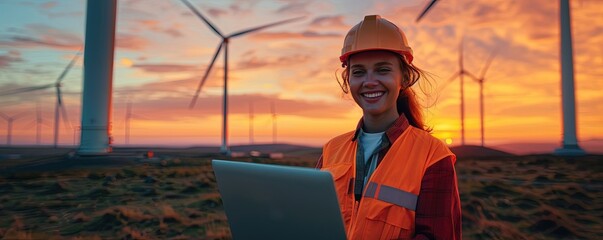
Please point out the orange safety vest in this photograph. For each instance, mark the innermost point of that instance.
(389, 199)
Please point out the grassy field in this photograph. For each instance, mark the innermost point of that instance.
(174, 196)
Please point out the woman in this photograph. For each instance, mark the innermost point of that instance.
(393, 179)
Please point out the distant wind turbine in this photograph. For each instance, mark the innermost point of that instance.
(460, 74)
(251, 117)
(273, 110)
(224, 44)
(59, 107)
(128, 117)
(39, 122)
(9, 127)
(481, 79)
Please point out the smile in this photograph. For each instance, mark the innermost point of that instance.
(372, 94)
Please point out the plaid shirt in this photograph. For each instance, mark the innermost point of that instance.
(438, 212)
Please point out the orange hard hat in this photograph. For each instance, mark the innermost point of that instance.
(375, 33)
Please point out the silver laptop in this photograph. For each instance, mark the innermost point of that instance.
(265, 201)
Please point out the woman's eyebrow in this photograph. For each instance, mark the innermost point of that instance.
(379, 64)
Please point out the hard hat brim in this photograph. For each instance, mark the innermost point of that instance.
(406, 54)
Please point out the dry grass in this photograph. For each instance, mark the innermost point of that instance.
(524, 197)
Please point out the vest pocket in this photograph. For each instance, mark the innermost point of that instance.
(385, 221)
(341, 176)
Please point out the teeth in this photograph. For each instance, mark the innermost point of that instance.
(372, 95)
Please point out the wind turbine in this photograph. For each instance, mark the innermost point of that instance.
(9, 120)
(128, 117)
(39, 122)
(224, 44)
(59, 107)
(460, 74)
(251, 117)
(481, 79)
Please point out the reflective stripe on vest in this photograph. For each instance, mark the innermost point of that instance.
(391, 195)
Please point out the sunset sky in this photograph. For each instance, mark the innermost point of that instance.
(162, 50)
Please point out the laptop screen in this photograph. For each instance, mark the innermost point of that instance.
(264, 201)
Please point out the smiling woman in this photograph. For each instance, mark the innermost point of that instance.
(390, 173)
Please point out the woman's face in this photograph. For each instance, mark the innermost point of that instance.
(375, 81)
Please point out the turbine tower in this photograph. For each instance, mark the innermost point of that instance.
(224, 149)
(273, 111)
(569, 145)
(128, 118)
(95, 134)
(481, 79)
(251, 117)
(39, 122)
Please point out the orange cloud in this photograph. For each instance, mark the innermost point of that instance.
(166, 68)
(293, 35)
(329, 22)
(130, 42)
(251, 60)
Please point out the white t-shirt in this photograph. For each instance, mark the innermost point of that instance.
(369, 143)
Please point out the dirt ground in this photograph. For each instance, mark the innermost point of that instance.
(45, 194)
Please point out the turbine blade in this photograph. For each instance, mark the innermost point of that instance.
(4, 116)
(59, 95)
(447, 82)
(68, 67)
(264, 26)
(488, 63)
(189, 5)
(471, 75)
(65, 117)
(62, 108)
(427, 8)
(211, 64)
(25, 89)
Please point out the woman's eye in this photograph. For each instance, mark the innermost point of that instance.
(383, 70)
(357, 72)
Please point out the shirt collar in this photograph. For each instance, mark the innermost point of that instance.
(392, 133)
